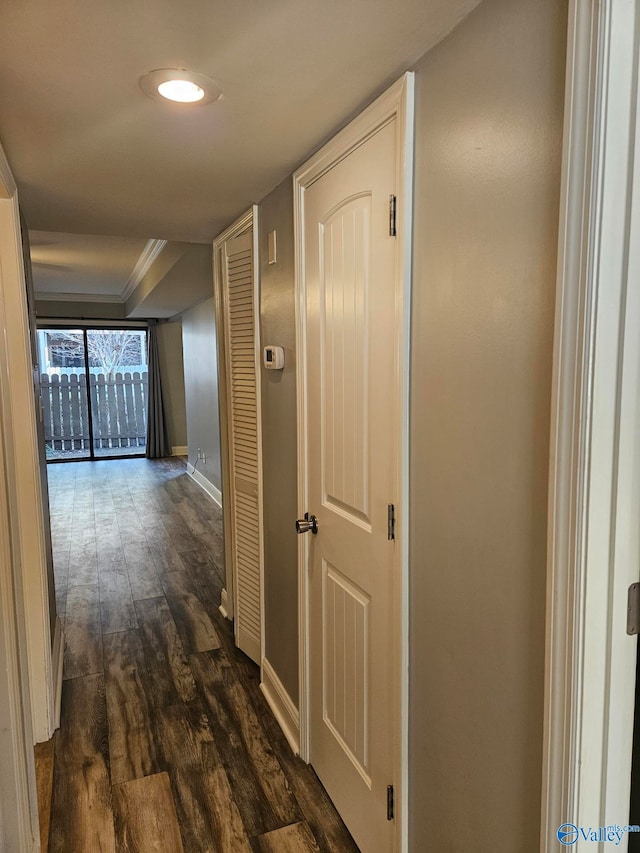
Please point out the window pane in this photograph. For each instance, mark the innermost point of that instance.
(63, 389)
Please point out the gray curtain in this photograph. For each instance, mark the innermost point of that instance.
(157, 441)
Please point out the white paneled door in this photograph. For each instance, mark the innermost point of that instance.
(244, 445)
(352, 375)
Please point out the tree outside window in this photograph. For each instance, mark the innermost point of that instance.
(111, 350)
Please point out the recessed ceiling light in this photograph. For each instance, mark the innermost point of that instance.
(180, 86)
(183, 91)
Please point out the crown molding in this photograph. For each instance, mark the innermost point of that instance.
(78, 297)
(148, 255)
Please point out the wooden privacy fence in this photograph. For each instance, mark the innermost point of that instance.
(118, 407)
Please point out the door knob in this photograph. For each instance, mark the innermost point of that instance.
(306, 524)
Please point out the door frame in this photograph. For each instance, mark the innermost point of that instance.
(24, 603)
(396, 103)
(236, 229)
(594, 479)
(19, 817)
(44, 647)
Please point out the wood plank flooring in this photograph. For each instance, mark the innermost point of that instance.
(166, 742)
(44, 781)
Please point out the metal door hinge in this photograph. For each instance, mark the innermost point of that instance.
(390, 803)
(633, 609)
(392, 216)
(391, 522)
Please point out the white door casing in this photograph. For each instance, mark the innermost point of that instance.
(236, 262)
(45, 673)
(352, 346)
(19, 686)
(594, 482)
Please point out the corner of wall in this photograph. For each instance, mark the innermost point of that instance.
(281, 704)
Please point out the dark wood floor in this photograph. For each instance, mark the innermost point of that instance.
(166, 742)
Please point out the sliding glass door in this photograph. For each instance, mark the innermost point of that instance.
(94, 392)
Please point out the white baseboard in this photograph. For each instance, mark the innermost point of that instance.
(57, 656)
(180, 450)
(247, 642)
(282, 705)
(224, 609)
(214, 493)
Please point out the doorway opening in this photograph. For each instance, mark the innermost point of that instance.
(94, 392)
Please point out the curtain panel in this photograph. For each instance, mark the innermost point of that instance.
(157, 441)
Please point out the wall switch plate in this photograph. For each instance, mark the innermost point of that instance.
(273, 358)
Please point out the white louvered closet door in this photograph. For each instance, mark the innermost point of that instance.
(244, 446)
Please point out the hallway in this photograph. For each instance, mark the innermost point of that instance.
(166, 742)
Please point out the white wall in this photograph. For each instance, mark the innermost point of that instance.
(201, 389)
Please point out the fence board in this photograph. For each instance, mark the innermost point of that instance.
(123, 426)
(100, 436)
(84, 411)
(139, 405)
(55, 408)
(45, 396)
(65, 411)
(112, 413)
(76, 420)
(132, 431)
(93, 391)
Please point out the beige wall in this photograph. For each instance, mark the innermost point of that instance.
(201, 388)
(180, 277)
(277, 326)
(169, 336)
(488, 148)
(50, 309)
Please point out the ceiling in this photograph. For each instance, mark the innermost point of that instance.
(93, 155)
(84, 266)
